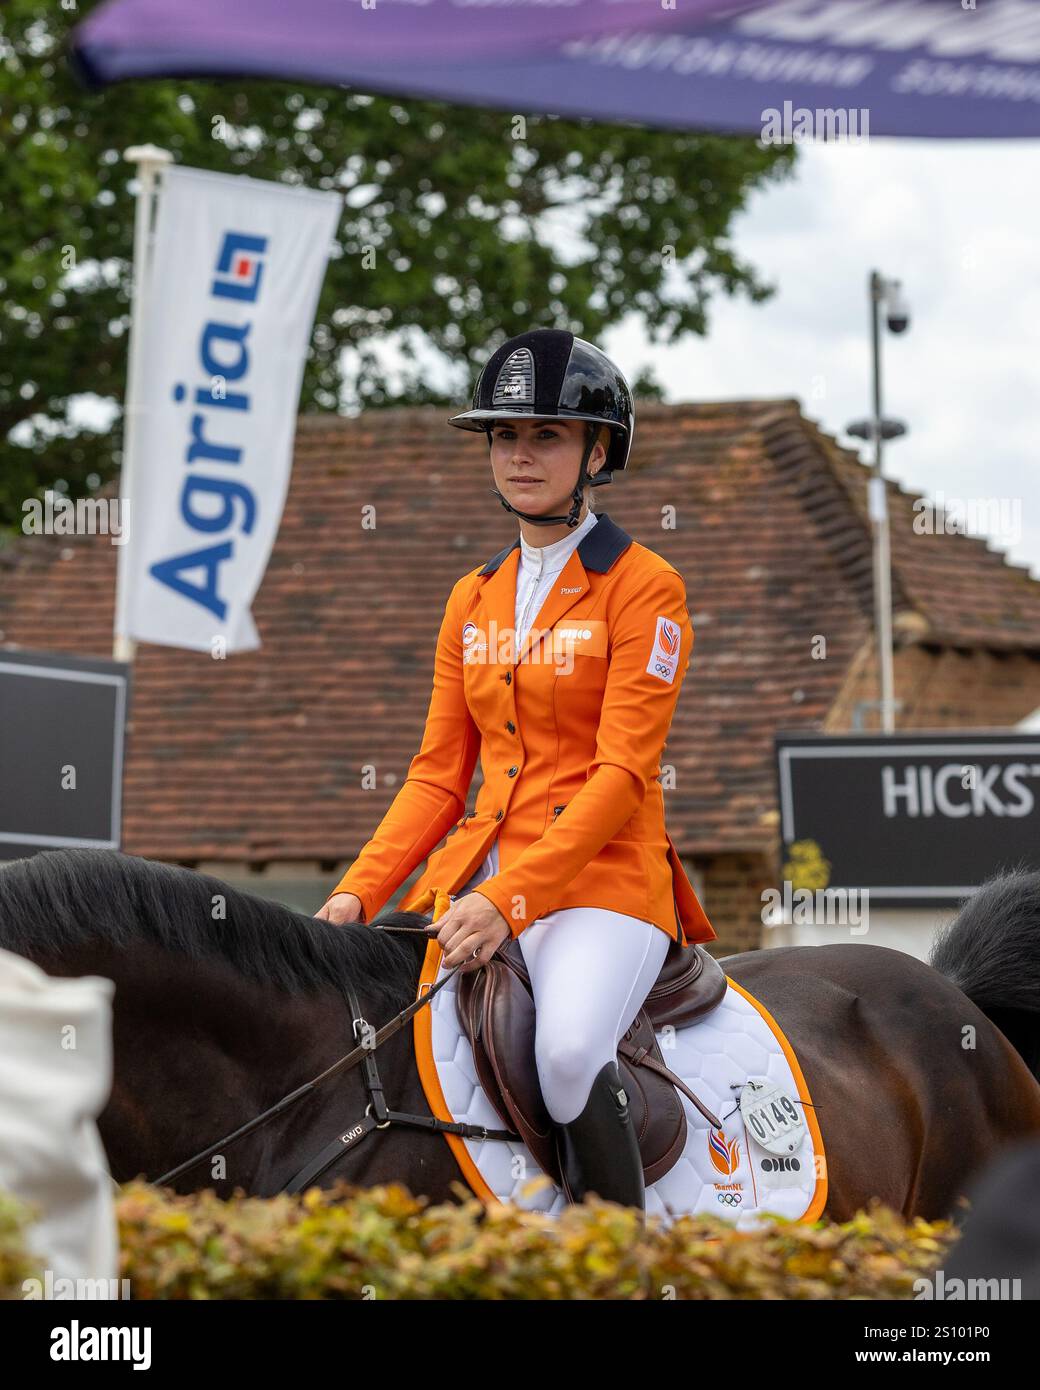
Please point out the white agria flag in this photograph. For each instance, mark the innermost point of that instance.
(230, 293)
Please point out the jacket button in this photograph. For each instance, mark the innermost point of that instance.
(510, 726)
(499, 815)
(509, 677)
(512, 772)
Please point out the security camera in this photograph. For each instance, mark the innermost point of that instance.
(897, 311)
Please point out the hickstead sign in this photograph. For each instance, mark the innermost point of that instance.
(916, 819)
(62, 723)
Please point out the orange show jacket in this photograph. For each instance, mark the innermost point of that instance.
(570, 731)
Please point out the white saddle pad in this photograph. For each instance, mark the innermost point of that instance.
(730, 1174)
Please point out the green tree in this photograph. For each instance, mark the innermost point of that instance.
(461, 227)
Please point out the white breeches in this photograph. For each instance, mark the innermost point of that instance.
(591, 969)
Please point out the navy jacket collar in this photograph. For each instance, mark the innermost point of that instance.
(597, 551)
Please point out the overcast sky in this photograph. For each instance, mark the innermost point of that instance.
(957, 222)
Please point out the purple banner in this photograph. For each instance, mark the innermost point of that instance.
(796, 68)
(274, 36)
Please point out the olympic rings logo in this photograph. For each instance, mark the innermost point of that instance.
(729, 1199)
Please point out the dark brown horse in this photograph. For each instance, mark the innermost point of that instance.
(225, 1002)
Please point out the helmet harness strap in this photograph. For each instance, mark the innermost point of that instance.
(578, 495)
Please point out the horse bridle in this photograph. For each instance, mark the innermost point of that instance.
(377, 1114)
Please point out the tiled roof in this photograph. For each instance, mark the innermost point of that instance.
(967, 592)
(261, 757)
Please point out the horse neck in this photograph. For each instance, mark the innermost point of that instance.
(198, 1049)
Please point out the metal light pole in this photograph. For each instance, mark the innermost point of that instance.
(150, 160)
(877, 428)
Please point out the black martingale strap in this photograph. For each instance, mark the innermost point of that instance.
(377, 1116)
(381, 1119)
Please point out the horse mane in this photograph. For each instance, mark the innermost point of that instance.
(58, 899)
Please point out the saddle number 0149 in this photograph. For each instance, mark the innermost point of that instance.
(771, 1116)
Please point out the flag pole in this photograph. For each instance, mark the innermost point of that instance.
(149, 160)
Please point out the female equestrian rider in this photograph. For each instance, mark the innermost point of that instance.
(571, 855)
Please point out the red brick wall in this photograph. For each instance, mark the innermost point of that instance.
(733, 887)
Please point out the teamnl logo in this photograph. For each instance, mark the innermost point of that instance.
(212, 503)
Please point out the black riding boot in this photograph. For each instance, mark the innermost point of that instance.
(599, 1151)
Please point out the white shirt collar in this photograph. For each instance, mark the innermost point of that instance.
(549, 559)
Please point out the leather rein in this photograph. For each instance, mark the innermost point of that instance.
(377, 1114)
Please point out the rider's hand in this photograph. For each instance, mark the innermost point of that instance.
(472, 921)
(340, 908)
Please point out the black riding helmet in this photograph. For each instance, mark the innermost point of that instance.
(550, 374)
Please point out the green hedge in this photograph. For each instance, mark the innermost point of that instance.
(15, 1262)
(352, 1243)
(384, 1243)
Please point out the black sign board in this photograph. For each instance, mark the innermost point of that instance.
(918, 819)
(62, 725)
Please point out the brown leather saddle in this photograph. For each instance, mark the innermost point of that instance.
(496, 1012)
